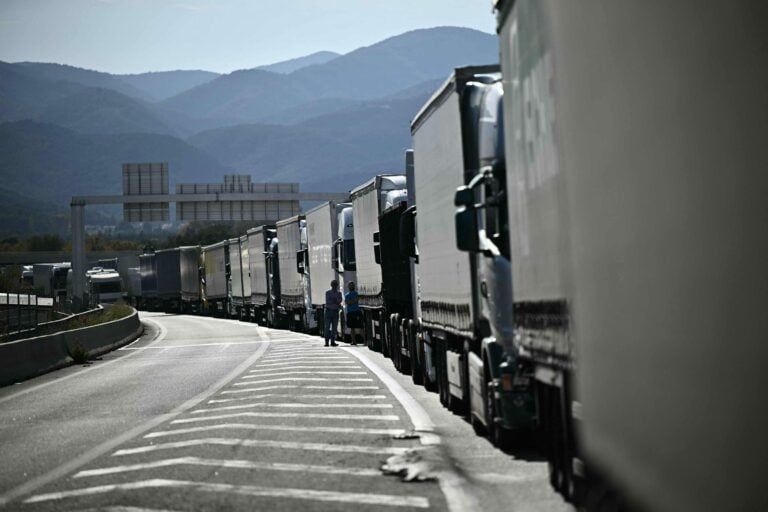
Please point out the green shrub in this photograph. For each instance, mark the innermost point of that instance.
(78, 353)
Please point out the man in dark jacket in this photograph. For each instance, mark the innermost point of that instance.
(333, 301)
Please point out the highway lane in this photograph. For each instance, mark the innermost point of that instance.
(206, 414)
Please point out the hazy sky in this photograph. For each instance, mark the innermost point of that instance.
(133, 36)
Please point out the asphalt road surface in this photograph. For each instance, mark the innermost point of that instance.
(209, 414)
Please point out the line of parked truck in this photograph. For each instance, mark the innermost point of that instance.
(576, 248)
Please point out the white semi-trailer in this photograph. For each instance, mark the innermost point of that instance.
(216, 265)
(262, 261)
(190, 260)
(240, 282)
(368, 202)
(322, 229)
(638, 185)
(294, 284)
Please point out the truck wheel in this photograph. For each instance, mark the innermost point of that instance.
(442, 375)
(416, 372)
(405, 341)
(394, 341)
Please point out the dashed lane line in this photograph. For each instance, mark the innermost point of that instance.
(293, 386)
(292, 406)
(229, 464)
(288, 428)
(246, 490)
(313, 415)
(282, 395)
(263, 443)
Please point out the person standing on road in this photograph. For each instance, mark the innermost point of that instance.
(354, 315)
(333, 301)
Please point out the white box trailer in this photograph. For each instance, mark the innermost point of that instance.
(368, 201)
(322, 229)
(652, 172)
(262, 253)
(240, 281)
(191, 262)
(294, 285)
(216, 265)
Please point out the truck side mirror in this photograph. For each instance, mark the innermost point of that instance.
(408, 232)
(467, 238)
(465, 196)
(377, 247)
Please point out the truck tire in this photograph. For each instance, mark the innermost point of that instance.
(499, 436)
(405, 342)
(417, 375)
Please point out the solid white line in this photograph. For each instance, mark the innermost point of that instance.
(383, 417)
(300, 379)
(294, 406)
(288, 428)
(108, 446)
(291, 386)
(301, 372)
(422, 423)
(348, 367)
(246, 490)
(459, 494)
(252, 443)
(230, 464)
(280, 395)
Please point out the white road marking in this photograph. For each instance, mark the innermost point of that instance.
(346, 388)
(304, 358)
(263, 388)
(294, 406)
(459, 494)
(119, 508)
(279, 395)
(230, 464)
(291, 367)
(108, 446)
(265, 443)
(315, 415)
(334, 364)
(292, 386)
(246, 490)
(302, 372)
(224, 347)
(195, 345)
(300, 379)
(289, 428)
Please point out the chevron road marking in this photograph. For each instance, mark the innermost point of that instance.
(314, 415)
(231, 464)
(246, 490)
(294, 406)
(288, 428)
(285, 445)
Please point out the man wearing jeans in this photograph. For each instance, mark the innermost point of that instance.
(333, 300)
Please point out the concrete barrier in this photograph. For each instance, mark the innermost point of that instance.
(27, 358)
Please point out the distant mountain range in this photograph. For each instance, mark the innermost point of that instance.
(325, 120)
